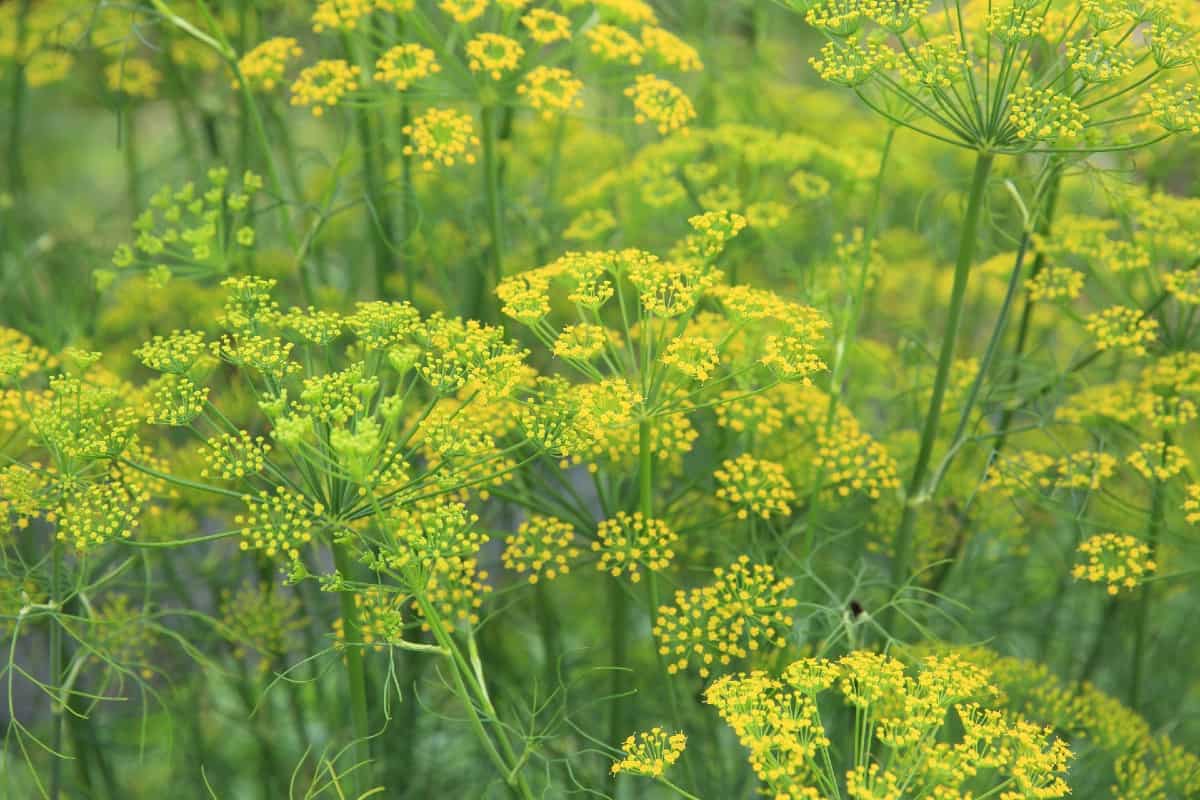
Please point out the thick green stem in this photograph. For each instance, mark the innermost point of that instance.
(356, 677)
(915, 494)
(645, 471)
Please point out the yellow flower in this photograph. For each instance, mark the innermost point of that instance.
(325, 84)
(628, 542)
(264, 65)
(494, 54)
(133, 76)
(1118, 560)
(551, 89)
(405, 64)
(650, 752)
(754, 486)
(1124, 328)
(546, 27)
(661, 103)
(441, 136)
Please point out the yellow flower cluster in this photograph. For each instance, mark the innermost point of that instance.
(628, 542)
(851, 461)
(791, 749)
(441, 136)
(135, 77)
(404, 64)
(671, 50)
(612, 43)
(661, 103)
(263, 66)
(175, 353)
(263, 618)
(542, 547)
(233, 456)
(380, 622)
(755, 486)
(1124, 328)
(278, 524)
(464, 11)
(1119, 560)
(494, 54)
(1055, 283)
(1175, 108)
(744, 610)
(551, 90)
(546, 27)
(1191, 505)
(95, 513)
(1045, 115)
(650, 752)
(695, 357)
(340, 14)
(174, 400)
(1158, 461)
(324, 84)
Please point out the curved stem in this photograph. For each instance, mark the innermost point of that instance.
(914, 495)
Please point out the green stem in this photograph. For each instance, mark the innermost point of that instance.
(458, 668)
(379, 213)
(618, 612)
(1147, 590)
(1026, 323)
(851, 313)
(355, 676)
(1104, 633)
(56, 674)
(16, 170)
(132, 168)
(491, 188)
(914, 495)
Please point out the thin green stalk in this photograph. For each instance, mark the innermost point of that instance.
(915, 494)
(1147, 591)
(408, 212)
(1104, 632)
(379, 212)
(985, 366)
(618, 612)
(458, 668)
(491, 190)
(1026, 323)
(133, 178)
(356, 678)
(56, 673)
(16, 121)
(851, 312)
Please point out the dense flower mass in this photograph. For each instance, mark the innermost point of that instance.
(600, 398)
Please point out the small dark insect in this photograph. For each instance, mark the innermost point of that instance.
(856, 609)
